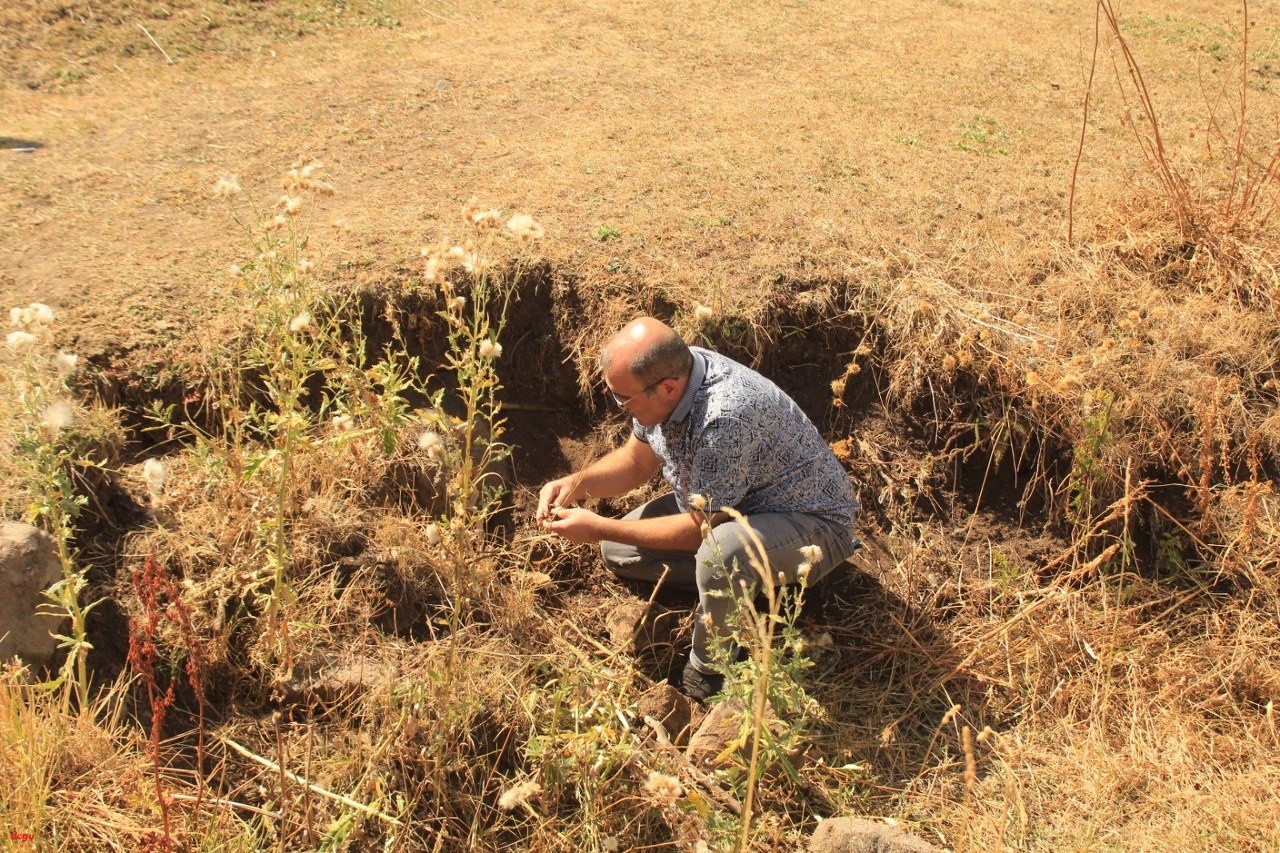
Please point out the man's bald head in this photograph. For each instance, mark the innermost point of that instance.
(649, 350)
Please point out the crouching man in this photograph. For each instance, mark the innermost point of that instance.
(723, 436)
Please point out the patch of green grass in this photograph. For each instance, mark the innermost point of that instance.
(983, 136)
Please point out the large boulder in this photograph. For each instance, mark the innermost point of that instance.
(857, 835)
(29, 564)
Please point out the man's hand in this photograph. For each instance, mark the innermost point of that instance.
(576, 524)
(554, 495)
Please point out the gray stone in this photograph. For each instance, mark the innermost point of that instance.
(29, 564)
(858, 835)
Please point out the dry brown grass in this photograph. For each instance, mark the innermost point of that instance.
(867, 195)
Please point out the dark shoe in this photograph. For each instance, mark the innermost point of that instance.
(700, 685)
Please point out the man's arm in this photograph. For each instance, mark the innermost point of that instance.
(616, 473)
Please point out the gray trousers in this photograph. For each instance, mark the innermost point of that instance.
(725, 558)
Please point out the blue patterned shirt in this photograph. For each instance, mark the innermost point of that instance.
(739, 441)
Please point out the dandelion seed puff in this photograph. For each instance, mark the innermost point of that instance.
(698, 502)
(59, 416)
(277, 222)
(456, 253)
(291, 204)
(490, 349)
(525, 227)
(41, 314)
(300, 322)
(457, 303)
(470, 262)
(811, 553)
(19, 341)
(343, 423)
(803, 570)
(518, 795)
(432, 534)
(663, 787)
(311, 168)
(154, 475)
(66, 363)
(227, 187)
(323, 187)
(703, 314)
(15, 317)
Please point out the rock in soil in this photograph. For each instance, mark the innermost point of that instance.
(857, 835)
(29, 564)
(639, 627)
(668, 706)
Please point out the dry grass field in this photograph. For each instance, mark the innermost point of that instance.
(1018, 261)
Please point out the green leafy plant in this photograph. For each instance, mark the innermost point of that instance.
(54, 445)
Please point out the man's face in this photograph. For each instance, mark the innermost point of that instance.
(649, 404)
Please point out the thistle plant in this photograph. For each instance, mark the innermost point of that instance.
(297, 337)
(476, 296)
(49, 449)
(770, 677)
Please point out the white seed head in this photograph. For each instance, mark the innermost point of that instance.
(291, 204)
(609, 844)
(811, 553)
(490, 349)
(456, 303)
(66, 363)
(58, 416)
(432, 534)
(517, 794)
(300, 322)
(40, 314)
(19, 341)
(343, 422)
(305, 266)
(154, 475)
(525, 227)
(698, 502)
(16, 317)
(803, 570)
(663, 787)
(227, 187)
(703, 314)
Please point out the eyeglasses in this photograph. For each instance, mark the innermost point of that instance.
(623, 401)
